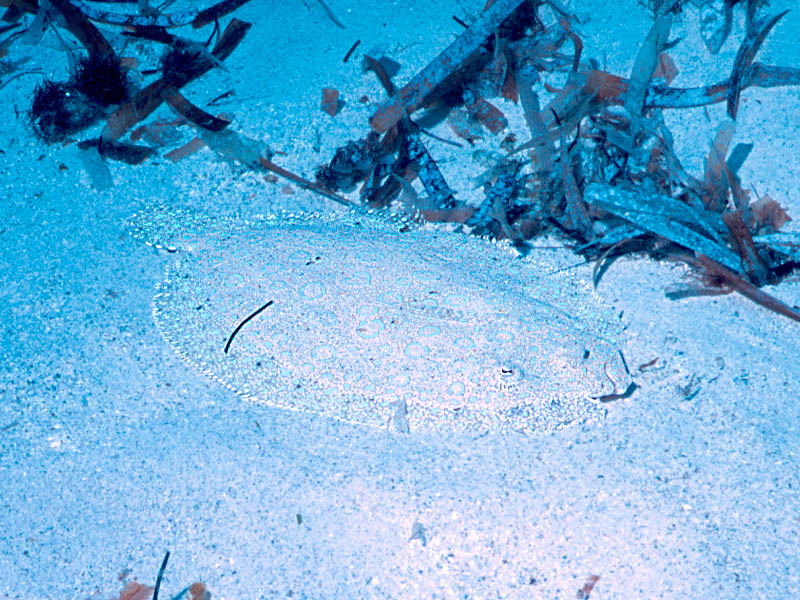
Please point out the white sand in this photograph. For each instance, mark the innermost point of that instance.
(113, 450)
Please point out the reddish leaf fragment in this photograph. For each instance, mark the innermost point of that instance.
(198, 591)
(605, 86)
(508, 84)
(192, 113)
(509, 90)
(509, 143)
(654, 161)
(187, 149)
(768, 215)
(129, 63)
(752, 263)
(378, 66)
(330, 101)
(136, 591)
(666, 68)
(588, 586)
(485, 112)
(716, 275)
(632, 387)
(715, 181)
(648, 365)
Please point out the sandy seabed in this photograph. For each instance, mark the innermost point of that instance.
(113, 449)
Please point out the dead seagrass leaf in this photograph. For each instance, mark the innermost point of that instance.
(136, 591)
(351, 316)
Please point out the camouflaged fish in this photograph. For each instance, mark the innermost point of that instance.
(362, 320)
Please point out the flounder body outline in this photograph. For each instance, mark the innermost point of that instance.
(365, 318)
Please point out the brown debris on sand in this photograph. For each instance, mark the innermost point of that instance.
(599, 166)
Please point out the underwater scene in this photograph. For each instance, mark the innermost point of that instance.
(464, 299)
